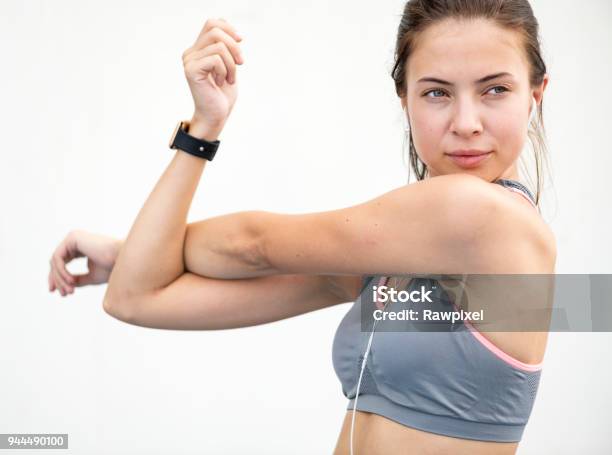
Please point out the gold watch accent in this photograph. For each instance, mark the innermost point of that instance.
(184, 125)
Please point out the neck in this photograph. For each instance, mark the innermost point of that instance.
(510, 174)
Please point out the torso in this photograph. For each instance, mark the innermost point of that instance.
(375, 434)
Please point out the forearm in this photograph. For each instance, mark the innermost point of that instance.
(151, 256)
(225, 246)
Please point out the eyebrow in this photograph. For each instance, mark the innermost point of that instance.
(479, 81)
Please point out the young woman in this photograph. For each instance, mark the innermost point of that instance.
(470, 77)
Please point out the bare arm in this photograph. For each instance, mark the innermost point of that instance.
(151, 256)
(445, 224)
(160, 246)
(448, 224)
(193, 302)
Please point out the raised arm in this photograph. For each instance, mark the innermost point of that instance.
(151, 256)
(172, 275)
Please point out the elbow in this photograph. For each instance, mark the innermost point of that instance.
(235, 240)
(120, 308)
(254, 250)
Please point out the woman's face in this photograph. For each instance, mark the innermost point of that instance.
(458, 112)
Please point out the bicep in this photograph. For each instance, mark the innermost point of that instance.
(194, 302)
(429, 226)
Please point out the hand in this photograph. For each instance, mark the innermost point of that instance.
(210, 69)
(101, 252)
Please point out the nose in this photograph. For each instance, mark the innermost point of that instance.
(465, 120)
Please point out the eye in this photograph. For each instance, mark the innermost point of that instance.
(498, 86)
(432, 91)
(438, 90)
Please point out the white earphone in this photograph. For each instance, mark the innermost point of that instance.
(406, 122)
(534, 110)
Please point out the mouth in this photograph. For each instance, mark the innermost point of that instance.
(469, 158)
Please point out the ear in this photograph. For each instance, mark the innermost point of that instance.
(403, 102)
(538, 93)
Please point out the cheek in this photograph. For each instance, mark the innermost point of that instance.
(505, 130)
(427, 135)
(509, 132)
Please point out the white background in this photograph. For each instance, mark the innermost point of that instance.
(90, 94)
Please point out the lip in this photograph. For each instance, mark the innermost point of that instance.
(468, 158)
(469, 152)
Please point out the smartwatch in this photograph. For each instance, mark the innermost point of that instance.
(192, 145)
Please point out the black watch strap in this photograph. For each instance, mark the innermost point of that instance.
(194, 146)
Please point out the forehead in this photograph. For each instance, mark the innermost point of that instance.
(459, 50)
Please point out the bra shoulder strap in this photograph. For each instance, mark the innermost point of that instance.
(517, 187)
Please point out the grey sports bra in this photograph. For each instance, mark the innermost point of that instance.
(452, 382)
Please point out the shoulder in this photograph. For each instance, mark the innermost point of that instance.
(458, 193)
(466, 206)
(502, 232)
(457, 198)
(519, 237)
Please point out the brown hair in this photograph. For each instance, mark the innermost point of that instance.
(515, 15)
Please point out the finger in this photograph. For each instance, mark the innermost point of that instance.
(207, 65)
(220, 23)
(60, 265)
(57, 281)
(232, 30)
(66, 251)
(62, 286)
(50, 281)
(59, 278)
(216, 35)
(219, 35)
(221, 49)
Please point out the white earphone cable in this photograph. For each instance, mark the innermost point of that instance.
(363, 364)
(367, 351)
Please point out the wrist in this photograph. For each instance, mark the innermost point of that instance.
(201, 129)
(115, 249)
